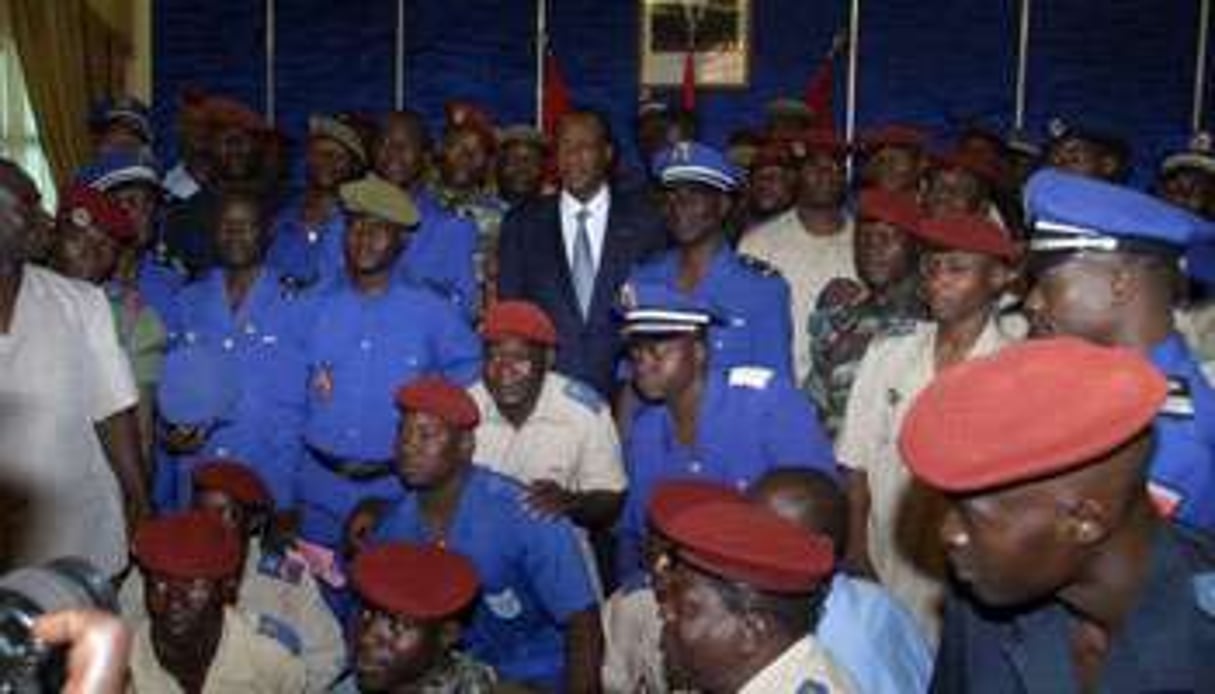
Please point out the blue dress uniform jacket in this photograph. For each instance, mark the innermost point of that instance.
(439, 253)
(359, 351)
(261, 342)
(751, 301)
(750, 420)
(1165, 645)
(534, 575)
(1182, 469)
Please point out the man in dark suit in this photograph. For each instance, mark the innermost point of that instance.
(569, 253)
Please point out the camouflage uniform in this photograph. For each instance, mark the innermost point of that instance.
(486, 210)
(459, 675)
(844, 321)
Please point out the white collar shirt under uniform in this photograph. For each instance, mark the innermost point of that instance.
(62, 371)
(807, 262)
(568, 438)
(596, 223)
(902, 521)
(804, 666)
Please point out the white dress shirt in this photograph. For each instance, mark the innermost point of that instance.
(596, 224)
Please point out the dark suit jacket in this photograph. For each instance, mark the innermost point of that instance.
(533, 267)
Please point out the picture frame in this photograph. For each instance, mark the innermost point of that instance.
(720, 29)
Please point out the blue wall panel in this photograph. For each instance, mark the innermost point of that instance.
(937, 62)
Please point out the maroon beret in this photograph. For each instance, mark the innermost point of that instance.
(193, 544)
(749, 544)
(893, 135)
(518, 319)
(84, 207)
(673, 497)
(441, 398)
(900, 209)
(1032, 410)
(415, 581)
(989, 170)
(233, 478)
(225, 112)
(817, 141)
(967, 232)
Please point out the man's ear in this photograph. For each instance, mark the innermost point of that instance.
(229, 588)
(467, 443)
(1107, 165)
(449, 634)
(1086, 522)
(700, 352)
(755, 628)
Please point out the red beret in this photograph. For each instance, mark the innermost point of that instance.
(1032, 410)
(194, 544)
(84, 207)
(441, 398)
(518, 319)
(233, 478)
(415, 581)
(465, 114)
(673, 497)
(817, 140)
(744, 542)
(989, 170)
(900, 209)
(893, 135)
(966, 232)
(224, 112)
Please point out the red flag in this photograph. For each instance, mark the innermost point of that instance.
(556, 95)
(687, 93)
(820, 89)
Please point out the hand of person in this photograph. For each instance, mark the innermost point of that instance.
(98, 643)
(548, 499)
(183, 440)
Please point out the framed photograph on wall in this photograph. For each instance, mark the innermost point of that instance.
(719, 31)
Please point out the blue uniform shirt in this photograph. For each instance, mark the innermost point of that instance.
(1164, 645)
(872, 636)
(751, 420)
(308, 255)
(362, 348)
(534, 574)
(439, 252)
(750, 301)
(262, 344)
(1182, 469)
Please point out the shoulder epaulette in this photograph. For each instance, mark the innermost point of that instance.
(757, 265)
(279, 630)
(584, 395)
(754, 377)
(812, 687)
(1180, 401)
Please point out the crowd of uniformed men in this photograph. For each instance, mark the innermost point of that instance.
(502, 413)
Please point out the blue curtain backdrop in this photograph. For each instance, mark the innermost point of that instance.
(1127, 64)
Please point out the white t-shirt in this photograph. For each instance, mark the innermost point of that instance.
(807, 262)
(61, 372)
